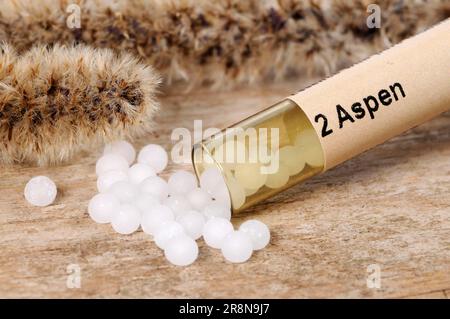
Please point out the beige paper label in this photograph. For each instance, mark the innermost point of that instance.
(382, 96)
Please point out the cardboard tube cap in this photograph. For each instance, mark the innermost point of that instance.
(380, 97)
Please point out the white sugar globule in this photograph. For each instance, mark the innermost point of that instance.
(211, 179)
(192, 222)
(181, 250)
(155, 218)
(155, 156)
(313, 155)
(198, 198)
(155, 186)
(215, 209)
(279, 178)
(122, 148)
(40, 191)
(145, 202)
(168, 231)
(237, 247)
(102, 207)
(222, 195)
(178, 204)
(237, 192)
(287, 156)
(215, 230)
(126, 219)
(107, 179)
(258, 232)
(181, 182)
(250, 175)
(109, 162)
(139, 172)
(124, 191)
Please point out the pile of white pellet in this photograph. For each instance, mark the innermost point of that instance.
(176, 212)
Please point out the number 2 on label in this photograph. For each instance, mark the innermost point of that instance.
(325, 130)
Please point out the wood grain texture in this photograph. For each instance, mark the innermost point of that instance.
(390, 207)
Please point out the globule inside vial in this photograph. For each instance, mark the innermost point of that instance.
(262, 155)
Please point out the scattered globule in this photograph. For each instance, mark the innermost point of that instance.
(126, 219)
(215, 231)
(139, 172)
(102, 208)
(40, 191)
(154, 156)
(181, 250)
(237, 247)
(258, 231)
(109, 162)
(182, 182)
(108, 178)
(122, 148)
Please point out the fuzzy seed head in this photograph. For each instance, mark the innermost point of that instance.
(56, 101)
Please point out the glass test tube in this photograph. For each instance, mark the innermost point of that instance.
(253, 165)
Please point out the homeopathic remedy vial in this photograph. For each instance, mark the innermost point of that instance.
(332, 121)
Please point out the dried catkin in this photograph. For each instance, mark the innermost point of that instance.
(225, 42)
(57, 101)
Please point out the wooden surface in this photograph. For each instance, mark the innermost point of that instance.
(389, 207)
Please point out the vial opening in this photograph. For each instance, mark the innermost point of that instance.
(262, 155)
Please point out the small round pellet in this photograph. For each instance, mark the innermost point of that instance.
(314, 156)
(124, 191)
(178, 204)
(170, 230)
(198, 198)
(139, 172)
(145, 202)
(237, 193)
(258, 231)
(154, 219)
(211, 179)
(107, 179)
(306, 138)
(290, 156)
(279, 178)
(250, 176)
(102, 207)
(181, 182)
(181, 250)
(126, 219)
(155, 156)
(215, 230)
(231, 153)
(155, 186)
(222, 195)
(40, 191)
(109, 162)
(309, 146)
(122, 148)
(193, 223)
(216, 210)
(237, 247)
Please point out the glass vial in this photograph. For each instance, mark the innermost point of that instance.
(263, 154)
